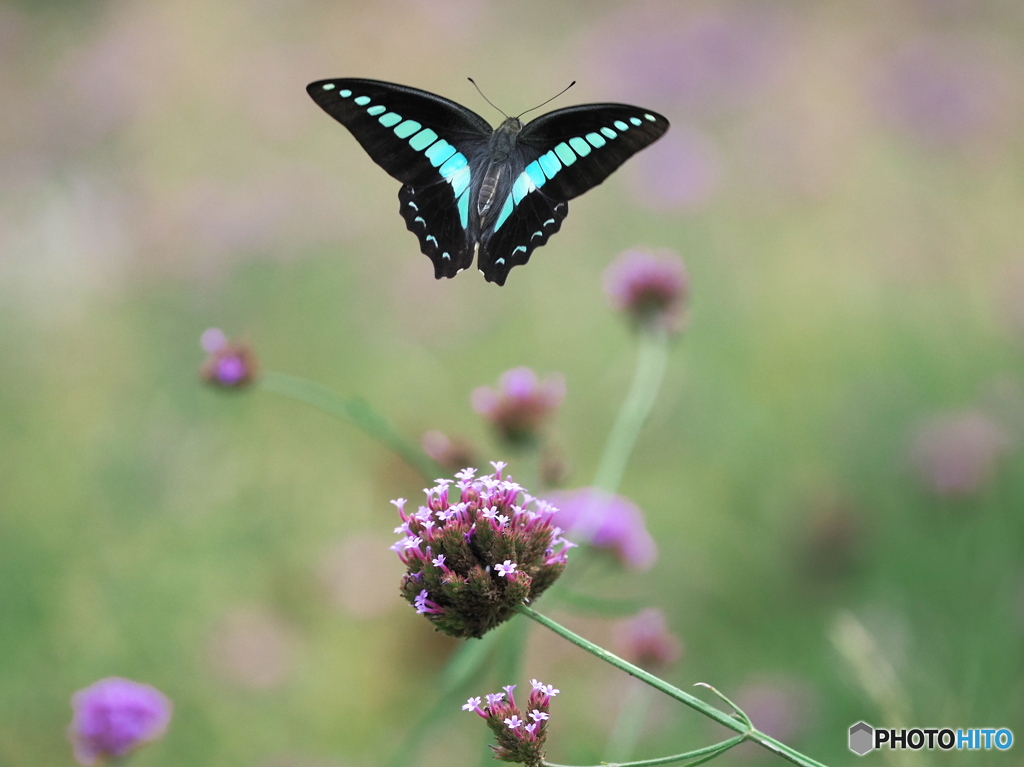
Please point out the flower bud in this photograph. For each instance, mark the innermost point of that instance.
(520, 736)
(651, 289)
(646, 641)
(521, 405)
(229, 364)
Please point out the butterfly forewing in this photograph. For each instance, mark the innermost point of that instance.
(398, 126)
(581, 146)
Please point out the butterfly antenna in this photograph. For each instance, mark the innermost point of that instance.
(567, 87)
(485, 98)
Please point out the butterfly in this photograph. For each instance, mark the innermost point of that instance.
(470, 190)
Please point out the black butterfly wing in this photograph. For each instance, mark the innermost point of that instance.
(579, 147)
(559, 156)
(529, 225)
(427, 143)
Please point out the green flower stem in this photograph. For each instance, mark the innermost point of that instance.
(629, 724)
(709, 752)
(351, 409)
(651, 360)
(737, 725)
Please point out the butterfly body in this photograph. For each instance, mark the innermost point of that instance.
(473, 191)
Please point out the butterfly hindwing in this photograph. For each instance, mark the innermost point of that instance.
(528, 226)
(431, 213)
(581, 146)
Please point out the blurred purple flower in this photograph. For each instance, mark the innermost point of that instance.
(680, 172)
(956, 454)
(941, 91)
(113, 717)
(651, 288)
(229, 365)
(645, 640)
(704, 62)
(607, 521)
(452, 454)
(521, 404)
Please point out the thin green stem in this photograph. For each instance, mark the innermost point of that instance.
(733, 723)
(652, 356)
(708, 751)
(351, 409)
(625, 732)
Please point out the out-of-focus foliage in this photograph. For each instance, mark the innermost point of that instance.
(833, 473)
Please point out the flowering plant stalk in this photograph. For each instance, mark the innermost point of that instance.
(352, 409)
(740, 723)
(482, 549)
(652, 358)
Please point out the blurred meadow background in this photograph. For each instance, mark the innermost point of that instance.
(832, 473)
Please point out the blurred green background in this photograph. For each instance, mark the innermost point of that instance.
(833, 471)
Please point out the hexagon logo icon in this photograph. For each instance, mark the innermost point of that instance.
(862, 738)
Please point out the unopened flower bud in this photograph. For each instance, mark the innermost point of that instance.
(652, 289)
(521, 405)
(229, 364)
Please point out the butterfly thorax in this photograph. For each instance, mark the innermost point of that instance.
(495, 182)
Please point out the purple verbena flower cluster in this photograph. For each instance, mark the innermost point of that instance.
(521, 405)
(607, 521)
(476, 550)
(520, 737)
(115, 716)
(230, 364)
(651, 288)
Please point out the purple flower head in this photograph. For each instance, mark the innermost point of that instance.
(113, 717)
(956, 454)
(229, 364)
(520, 734)
(652, 289)
(521, 404)
(478, 547)
(645, 640)
(608, 522)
